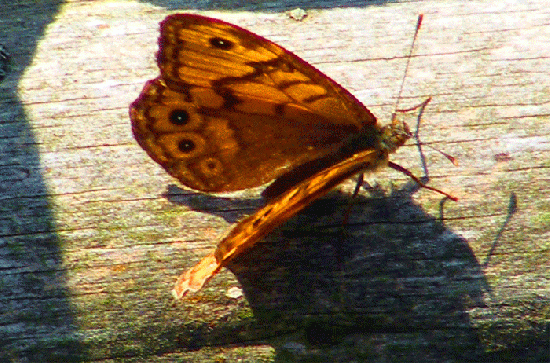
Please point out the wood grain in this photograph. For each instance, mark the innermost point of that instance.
(93, 234)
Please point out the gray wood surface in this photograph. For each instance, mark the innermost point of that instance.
(93, 234)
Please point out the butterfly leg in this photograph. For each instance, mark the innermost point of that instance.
(416, 179)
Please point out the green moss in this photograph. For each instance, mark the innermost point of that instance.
(245, 313)
(540, 220)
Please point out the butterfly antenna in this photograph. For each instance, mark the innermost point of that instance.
(416, 136)
(418, 24)
(449, 157)
(411, 50)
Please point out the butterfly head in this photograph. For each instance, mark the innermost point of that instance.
(394, 135)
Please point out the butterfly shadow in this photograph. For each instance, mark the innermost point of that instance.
(231, 209)
(391, 269)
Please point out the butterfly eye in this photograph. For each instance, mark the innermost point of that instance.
(186, 146)
(221, 43)
(179, 117)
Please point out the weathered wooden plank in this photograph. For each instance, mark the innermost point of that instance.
(93, 233)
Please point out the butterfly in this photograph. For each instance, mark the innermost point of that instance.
(232, 110)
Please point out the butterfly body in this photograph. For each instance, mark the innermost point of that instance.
(232, 110)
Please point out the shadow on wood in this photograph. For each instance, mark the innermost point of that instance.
(35, 307)
(230, 209)
(392, 269)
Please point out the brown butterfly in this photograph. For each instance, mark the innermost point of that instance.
(232, 110)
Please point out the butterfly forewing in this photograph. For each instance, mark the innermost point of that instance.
(198, 50)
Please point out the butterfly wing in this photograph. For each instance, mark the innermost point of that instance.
(233, 110)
